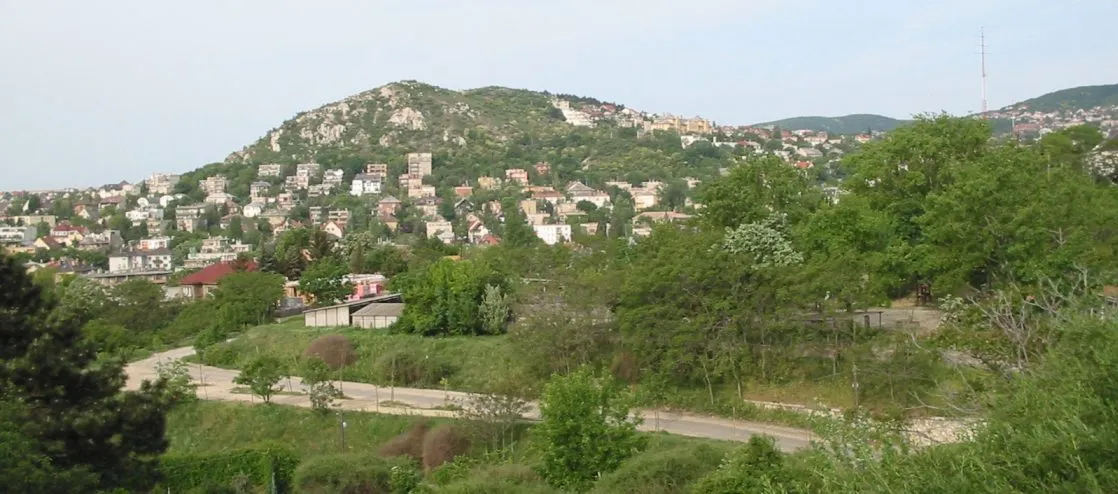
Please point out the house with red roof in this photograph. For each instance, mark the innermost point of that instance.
(200, 284)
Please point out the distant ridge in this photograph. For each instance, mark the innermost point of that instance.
(1076, 98)
(848, 124)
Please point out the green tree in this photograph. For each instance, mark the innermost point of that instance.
(77, 415)
(247, 298)
(444, 297)
(494, 310)
(324, 279)
(585, 429)
(320, 389)
(261, 375)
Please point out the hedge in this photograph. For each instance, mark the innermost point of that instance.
(183, 473)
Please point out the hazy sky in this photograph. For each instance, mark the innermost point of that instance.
(97, 92)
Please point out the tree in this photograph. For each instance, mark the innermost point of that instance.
(77, 415)
(320, 389)
(494, 310)
(585, 429)
(444, 297)
(247, 298)
(324, 280)
(261, 374)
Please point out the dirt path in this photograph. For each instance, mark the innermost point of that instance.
(217, 384)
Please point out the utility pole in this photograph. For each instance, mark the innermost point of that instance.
(982, 57)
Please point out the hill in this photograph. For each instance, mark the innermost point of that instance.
(848, 124)
(1076, 98)
(471, 133)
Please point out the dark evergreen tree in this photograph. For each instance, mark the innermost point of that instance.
(76, 416)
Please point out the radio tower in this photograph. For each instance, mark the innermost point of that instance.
(982, 55)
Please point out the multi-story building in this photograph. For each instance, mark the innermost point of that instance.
(553, 234)
(162, 183)
(333, 177)
(214, 250)
(366, 183)
(377, 170)
(134, 261)
(269, 170)
(518, 175)
(258, 190)
(419, 164)
(213, 185)
(308, 169)
(190, 218)
(18, 235)
(153, 243)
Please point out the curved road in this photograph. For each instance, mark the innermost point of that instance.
(217, 384)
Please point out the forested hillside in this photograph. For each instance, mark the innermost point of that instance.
(844, 125)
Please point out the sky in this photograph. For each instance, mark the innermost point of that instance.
(98, 92)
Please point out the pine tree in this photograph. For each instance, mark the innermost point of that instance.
(77, 416)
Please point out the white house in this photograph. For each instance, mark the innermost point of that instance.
(136, 261)
(252, 209)
(364, 183)
(553, 234)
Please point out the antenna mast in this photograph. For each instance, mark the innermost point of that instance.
(982, 54)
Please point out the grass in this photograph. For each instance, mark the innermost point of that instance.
(474, 363)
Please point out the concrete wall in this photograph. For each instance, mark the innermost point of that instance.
(326, 317)
(373, 322)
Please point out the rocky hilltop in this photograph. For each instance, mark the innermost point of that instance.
(409, 115)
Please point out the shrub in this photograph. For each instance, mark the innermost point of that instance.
(408, 367)
(441, 445)
(184, 472)
(344, 473)
(334, 349)
(408, 444)
(500, 479)
(662, 472)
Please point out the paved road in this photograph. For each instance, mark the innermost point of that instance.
(217, 384)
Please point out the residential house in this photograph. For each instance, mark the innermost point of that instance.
(108, 240)
(308, 169)
(274, 217)
(190, 218)
(162, 183)
(463, 191)
(552, 196)
(213, 185)
(642, 223)
(269, 170)
(408, 181)
(285, 201)
(553, 234)
(377, 170)
(85, 211)
(645, 197)
(543, 168)
(620, 185)
(316, 214)
(140, 260)
(18, 235)
(253, 209)
(809, 153)
(201, 284)
(320, 190)
(340, 216)
(388, 205)
(47, 243)
(419, 164)
(333, 177)
(422, 191)
(528, 206)
(153, 243)
(518, 175)
(463, 206)
(540, 218)
(220, 198)
(67, 234)
(366, 183)
(114, 201)
(439, 226)
(581, 192)
(429, 206)
(389, 220)
(334, 229)
(215, 249)
(488, 183)
(476, 231)
(292, 183)
(258, 191)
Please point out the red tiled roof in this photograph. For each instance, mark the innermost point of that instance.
(213, 273)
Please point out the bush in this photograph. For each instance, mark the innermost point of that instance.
(344, 474)
(184, 472)
(408, 367)
(501, 479)
(334, 349)
(441, 445)
(662, 472)
(409, 444)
